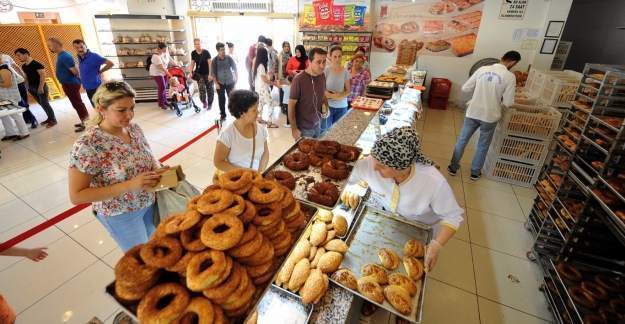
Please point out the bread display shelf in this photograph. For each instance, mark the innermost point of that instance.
(376, 229)
(304, 180)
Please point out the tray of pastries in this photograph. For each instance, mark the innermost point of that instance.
(380, 84)
(216, 257)
(367, 103)
(383, 263)
(392, 78)
(315, 170)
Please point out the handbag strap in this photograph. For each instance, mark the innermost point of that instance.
(253, 147)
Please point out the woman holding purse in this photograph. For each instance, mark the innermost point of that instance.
(243, 143)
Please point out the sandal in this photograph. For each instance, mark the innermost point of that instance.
(273, 126)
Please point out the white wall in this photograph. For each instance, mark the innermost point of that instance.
(493, 40)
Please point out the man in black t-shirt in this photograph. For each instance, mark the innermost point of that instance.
(200, 72)
(36, 79)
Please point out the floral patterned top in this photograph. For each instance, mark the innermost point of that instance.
(108, 160)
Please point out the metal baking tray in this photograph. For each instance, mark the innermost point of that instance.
(377, 229)
(351, 215)
(302, 185)
(276, 302)
(131, 308)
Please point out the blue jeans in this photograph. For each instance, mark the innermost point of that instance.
(131, 228)
(335, 115)
(486, 136)
(312, 133)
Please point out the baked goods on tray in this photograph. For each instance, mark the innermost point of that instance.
(438, 45)
(215, 257)
(368, 103)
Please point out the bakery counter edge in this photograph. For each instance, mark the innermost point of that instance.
(348, 129)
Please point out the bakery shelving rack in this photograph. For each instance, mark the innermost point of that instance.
(578, 217)
(349, 41)
(129, 39)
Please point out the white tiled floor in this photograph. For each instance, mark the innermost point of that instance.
(482, 275)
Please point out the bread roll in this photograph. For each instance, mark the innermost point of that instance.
(370, 288)
(399, 298)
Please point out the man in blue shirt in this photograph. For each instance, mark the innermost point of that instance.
(90, 66)
(68, 75)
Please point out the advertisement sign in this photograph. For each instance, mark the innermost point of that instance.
(334, 15)
(513, 9)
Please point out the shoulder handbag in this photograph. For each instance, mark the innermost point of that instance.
(174, 200)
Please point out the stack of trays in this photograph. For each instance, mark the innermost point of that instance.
(380, 89)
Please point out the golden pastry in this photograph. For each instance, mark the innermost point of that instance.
(399, 298)
(337, 246)
(329, 236)
(299, 275)
(306, 234)
(301, 250)
(318, 234)
(314, 287)
(330, 261)
(413, 267)
(370, 288)
(313, 252)
(285, 272)
(340, 225)
(346, 278)
(329, 226)
(376, 272)
(399, 279)
(324, 215)
(414, 248)
(389, 259)
(320, 251)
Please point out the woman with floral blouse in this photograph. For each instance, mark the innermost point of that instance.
(360, 77)
(112, 166)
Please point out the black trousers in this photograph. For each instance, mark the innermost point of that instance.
(90, 94)
(29, 118)
(223, 91)
(42, 99)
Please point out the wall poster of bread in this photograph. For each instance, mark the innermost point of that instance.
(432, 27)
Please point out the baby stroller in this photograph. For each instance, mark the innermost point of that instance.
(182, 97)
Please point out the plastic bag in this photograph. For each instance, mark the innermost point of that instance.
(174, 200)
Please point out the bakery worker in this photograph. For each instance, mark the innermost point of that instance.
(405, 182)
(493, 87)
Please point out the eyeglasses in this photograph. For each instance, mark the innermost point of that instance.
(115, 85)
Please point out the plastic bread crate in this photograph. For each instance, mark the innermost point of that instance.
(536, 79)
(520, 149)
(516, 173)
(559, 90)
(535, 122)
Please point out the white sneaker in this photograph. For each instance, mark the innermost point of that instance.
(286, 125)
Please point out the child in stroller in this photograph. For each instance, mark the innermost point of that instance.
(180, 92)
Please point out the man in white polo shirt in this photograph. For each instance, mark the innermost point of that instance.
(493, 87)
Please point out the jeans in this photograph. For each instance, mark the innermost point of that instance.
(90, 94)
(207, 93)
(72, 90)
(223, 91)
(132, 228)
(28, 115)
(312, 133)
(161, 85)
(486, 136)
(42, 99)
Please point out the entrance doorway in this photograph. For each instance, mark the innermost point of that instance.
(243, 31)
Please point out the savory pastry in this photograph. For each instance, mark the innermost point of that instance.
(164, 303)
(318, 234)
(161, 252)
(370, 288)
(463, 45)
(409, 27)
(335, 169)
(339, 223)
(389, 259)
(284, 178)
(200, 276)
(297, 161)
(301, 250)
(329, 261)
(338, 246)
(402, 280)
(313, 252)
(346, 278)
(214, 200)
(320, 251)
(324, 193)
(330, 235)
(315, 287)
(200, 309)
(222, 231)
(285, 272)
(299, 275)
(376, 272)
(413, 267)
(399, 298)
(324, 215)
(414, 248)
